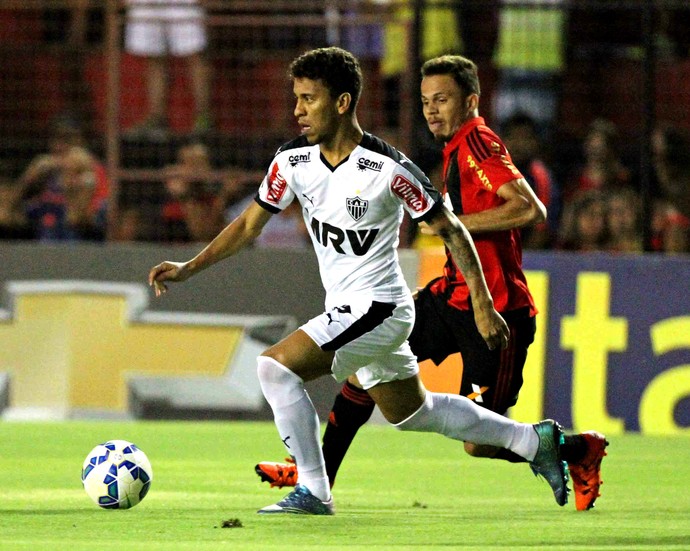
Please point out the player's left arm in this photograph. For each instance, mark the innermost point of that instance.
(490, 324)
(521, 207)
(237, 235)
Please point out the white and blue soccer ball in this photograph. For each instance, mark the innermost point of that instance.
(116, 475)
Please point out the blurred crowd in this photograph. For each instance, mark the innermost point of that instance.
(597, 199)
(63, 195)
(596, 205)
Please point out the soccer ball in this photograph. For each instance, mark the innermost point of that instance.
(116, 475)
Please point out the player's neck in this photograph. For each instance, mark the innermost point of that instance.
(343, 142)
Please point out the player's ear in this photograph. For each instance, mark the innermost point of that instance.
(344, 102)
(472, 102)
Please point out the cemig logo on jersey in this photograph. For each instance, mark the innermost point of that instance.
(367, 164)
(356, 207)
(294, 160)
(276, 186)
(483, 178)
(409, 193)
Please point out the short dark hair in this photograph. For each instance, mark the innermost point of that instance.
(462, 69)
(338, 69)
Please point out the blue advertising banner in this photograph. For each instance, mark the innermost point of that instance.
(616, 352)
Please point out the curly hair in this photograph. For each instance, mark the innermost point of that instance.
(338, 69)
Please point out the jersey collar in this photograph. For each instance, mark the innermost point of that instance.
(468, 125)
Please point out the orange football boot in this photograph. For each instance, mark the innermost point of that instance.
(278, 474)
(586, 473)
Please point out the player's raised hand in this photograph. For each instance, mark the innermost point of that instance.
(167, 271)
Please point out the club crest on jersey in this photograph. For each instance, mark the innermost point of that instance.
(356, 207)
(367, 164)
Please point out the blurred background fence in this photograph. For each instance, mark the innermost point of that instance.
(181, 136)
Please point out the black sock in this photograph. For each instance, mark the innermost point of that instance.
(507, 455)
(572, 451)
(574, 448)
(352, 408)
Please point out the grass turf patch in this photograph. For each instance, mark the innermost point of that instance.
(394, 491)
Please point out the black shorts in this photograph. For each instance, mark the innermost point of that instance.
(492, 378)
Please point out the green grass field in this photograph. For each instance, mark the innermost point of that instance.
(395, 491)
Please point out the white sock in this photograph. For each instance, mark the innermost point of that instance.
(460, 418)
(297, 423)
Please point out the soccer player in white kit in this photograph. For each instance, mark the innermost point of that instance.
(353, 188)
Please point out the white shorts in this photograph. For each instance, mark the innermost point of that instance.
(176, 37)
(369, 339)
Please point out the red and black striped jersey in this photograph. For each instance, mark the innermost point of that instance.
(475, 165)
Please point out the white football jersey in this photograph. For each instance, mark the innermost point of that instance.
(353, 212)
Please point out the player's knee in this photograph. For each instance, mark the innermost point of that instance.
(401, 400)
(280, 385)
(418, 420)
(354, 381)
(276, 354)
(271, 371)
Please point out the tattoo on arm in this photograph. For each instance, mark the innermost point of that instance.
(461, 247)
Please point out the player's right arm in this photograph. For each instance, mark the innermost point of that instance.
(521, 207)
(237, 235)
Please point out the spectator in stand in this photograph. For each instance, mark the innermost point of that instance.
(65, 196)
(583, 225)
(602, 168)
(157, 29)
(284, 230)
(13, 222)
(237, 190)
(188, 211)
(669, 229)
(64, 192)
(128, 226)
(199, 204)
(670, 224)
(63, 133)
(521, 137)
(624, 221)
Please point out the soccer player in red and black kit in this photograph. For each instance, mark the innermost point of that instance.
(493, 200)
